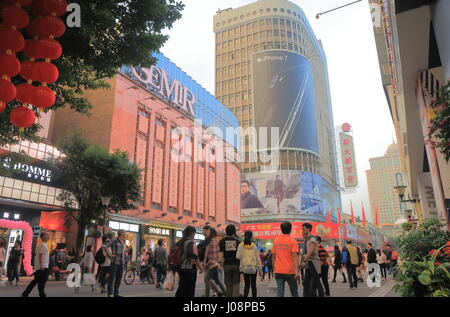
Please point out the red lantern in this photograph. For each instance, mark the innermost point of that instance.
(7, 91)
(26, 93)
(11, 40)
(52, 26)
(44, 97)
(15, 16)
(23, 3)
(31, 49)
(37, 7)
(34, 28)
(46, 72)
(57, 7)
(9, 65)
(28, 70)
(49, 48)
(22, 117)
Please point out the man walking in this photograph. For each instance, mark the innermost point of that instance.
(160, 263)
(115, 250)
(285, 257)
(325, 266)
(227, 256)
(311, 263)
(41, 272)
(371, 258)
(352, 264)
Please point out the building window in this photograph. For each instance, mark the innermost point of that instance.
(160, 123)
(156, 206)
(187, 213)
(172, 210)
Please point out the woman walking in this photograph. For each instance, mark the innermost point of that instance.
(268, 264)
(103, 277)
(381, 260)
(248, 254)
(211, 265)
(337, 264)
(2, 256)
(14, 262)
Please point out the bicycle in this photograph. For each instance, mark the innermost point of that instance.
(130, 275)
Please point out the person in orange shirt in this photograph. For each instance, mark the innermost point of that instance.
(285, 257)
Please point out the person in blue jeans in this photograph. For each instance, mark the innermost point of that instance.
(116, 252)
(285, 258)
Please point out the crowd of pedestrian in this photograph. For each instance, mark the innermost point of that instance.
(230, 265)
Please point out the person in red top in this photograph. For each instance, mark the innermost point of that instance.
(324, 266)
(285, 255)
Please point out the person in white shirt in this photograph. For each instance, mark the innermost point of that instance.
(381, 260)
(88, 260)
(41, 272)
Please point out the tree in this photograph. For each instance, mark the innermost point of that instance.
(88, 172)
(113, 33)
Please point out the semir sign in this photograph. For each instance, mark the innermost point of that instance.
(176, 93)
(30, 171)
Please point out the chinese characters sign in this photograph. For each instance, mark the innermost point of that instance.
(348, 160)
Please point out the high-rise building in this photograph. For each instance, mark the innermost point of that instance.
(412, 69)
(271, 71)
(384, 174)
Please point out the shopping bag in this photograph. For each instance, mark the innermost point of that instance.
(272, 287)
(88, 279)
(169, 283)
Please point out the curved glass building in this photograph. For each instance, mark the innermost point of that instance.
(271, 71)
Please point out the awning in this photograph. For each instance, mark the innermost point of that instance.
(29, 205)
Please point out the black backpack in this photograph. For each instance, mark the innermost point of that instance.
(100, 257)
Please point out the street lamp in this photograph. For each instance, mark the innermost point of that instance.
(105, 201)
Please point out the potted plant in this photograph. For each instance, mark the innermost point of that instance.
(425, 254)
(439, 134)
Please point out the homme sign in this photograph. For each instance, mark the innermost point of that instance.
(177, 94)
(30, 171)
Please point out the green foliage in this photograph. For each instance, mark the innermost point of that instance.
(415, 244)
(425, 255)
(87, 173)
(440, 125)
(113, 33)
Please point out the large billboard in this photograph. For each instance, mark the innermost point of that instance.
(280, 195)
(283, 97)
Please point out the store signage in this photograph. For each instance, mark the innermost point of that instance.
(348, 160)
(174, 91)
(157, 231)
(29, 171)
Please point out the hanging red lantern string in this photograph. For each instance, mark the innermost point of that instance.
(47, 26)
(15, 18)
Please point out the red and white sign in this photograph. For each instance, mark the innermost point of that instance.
(348, 160)
(267, 231)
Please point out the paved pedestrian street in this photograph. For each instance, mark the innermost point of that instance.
(138, 289)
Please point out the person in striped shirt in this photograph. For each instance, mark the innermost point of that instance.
(325, 265)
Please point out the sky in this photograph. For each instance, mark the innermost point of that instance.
(356, 89)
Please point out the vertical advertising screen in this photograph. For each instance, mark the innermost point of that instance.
(348, 160)
(296, 195)
(283, 97)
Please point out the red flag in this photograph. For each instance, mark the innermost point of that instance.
(328, 217)
(351, 211)
(363, 215)
(339, 217)
(376, 217)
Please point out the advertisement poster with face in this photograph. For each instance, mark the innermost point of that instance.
(287, 194)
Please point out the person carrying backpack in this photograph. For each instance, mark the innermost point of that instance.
(104, 262)
(184, 258)
(351, 260)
